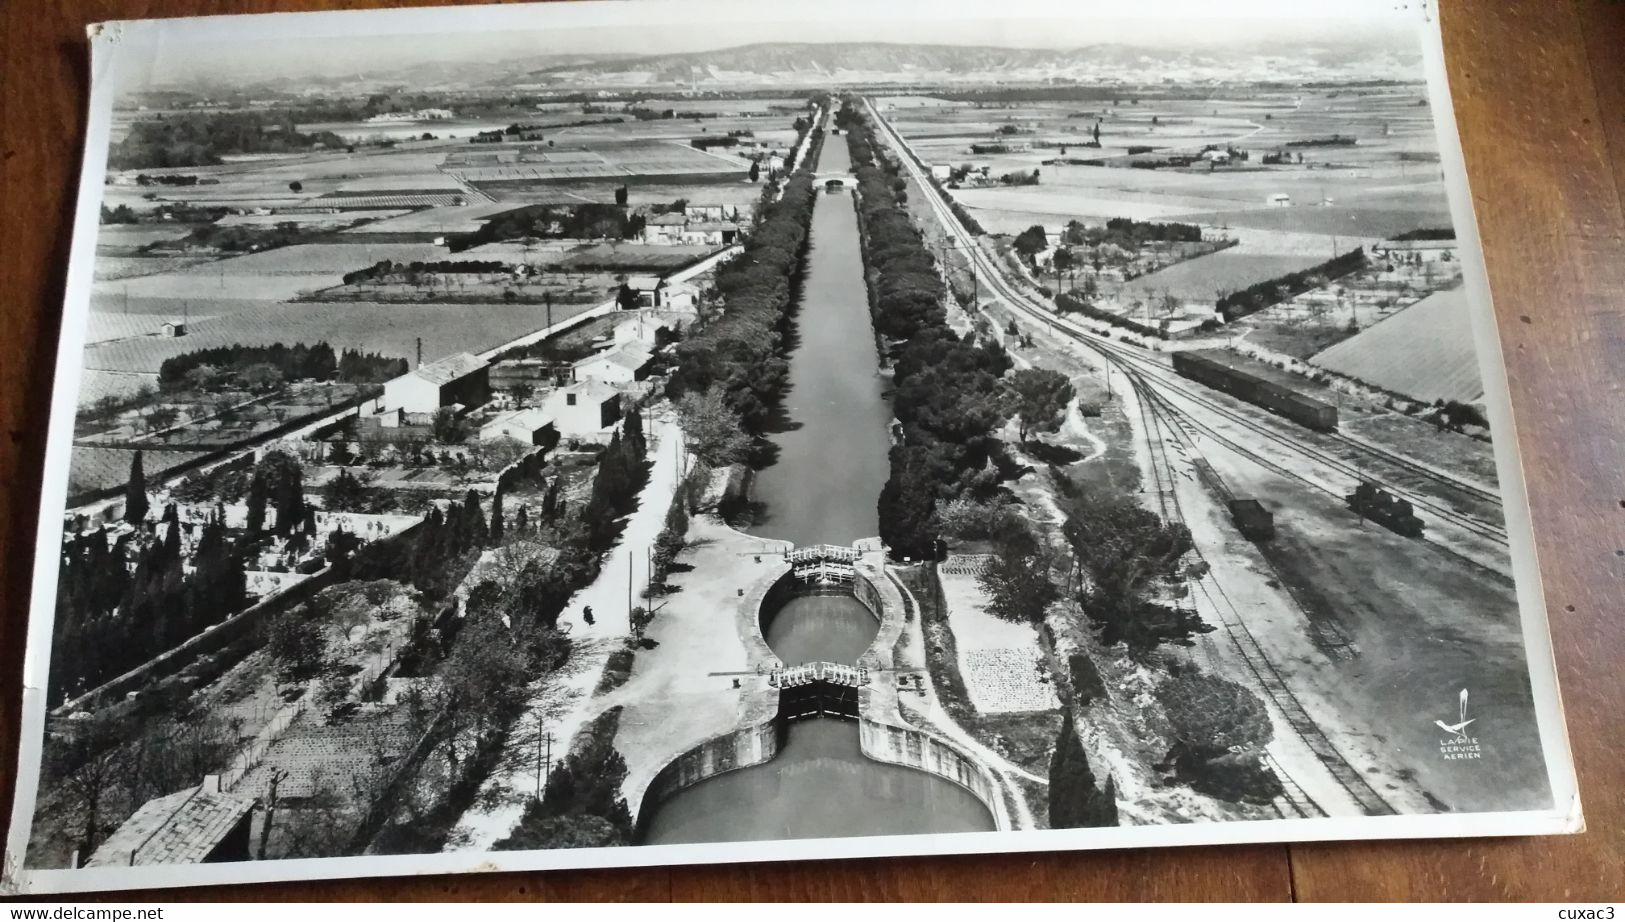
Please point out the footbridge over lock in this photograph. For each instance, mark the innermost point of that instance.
(824, 564)
(819, 690)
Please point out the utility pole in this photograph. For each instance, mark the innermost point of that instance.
(541, 766)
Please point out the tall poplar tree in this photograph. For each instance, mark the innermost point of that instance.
(1074, 799)
(135, 491)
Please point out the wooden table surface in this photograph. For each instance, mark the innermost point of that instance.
(1540, 95)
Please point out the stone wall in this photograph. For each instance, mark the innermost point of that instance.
(747, 746)
(919, 750)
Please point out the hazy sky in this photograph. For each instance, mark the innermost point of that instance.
(238, 49)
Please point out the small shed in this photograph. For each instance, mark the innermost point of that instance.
(194, 826)
(173, 328)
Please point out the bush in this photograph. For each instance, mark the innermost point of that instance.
(1210, 717)
(1087, 686)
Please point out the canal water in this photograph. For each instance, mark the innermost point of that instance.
(822, 488)
(832, 459)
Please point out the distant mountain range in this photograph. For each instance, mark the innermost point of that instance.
(851, 62)
(822, 64)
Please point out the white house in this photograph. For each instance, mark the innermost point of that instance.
(584, 409)
(710, 233)
(942, 171)
(531, 426)
(643, 329)
(683, 297)
(664, 229)
(456, 379)
(623, 365)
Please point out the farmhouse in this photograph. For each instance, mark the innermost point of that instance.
(649, 289)
(688, 229)
(711, 233)
(456, 379)
(942, 171)
(195, 826)
(172, 329)
(644, 328)
(680, 297)
(531, 426)
(584, 409)
(664, 229)
(624, 365)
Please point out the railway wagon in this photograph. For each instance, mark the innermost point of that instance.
(1255, 522)
(1372, 502)
(1277, 398)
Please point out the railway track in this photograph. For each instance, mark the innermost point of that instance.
(1153, 408)
(1438, 508)
(1160, 431)
(1374, 456)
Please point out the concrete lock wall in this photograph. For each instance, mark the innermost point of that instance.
(919, 750)
(742, 748)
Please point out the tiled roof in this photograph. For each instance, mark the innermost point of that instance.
(529, 418)
(665, 220)
(591, 390)
(450, 368)
(633, 356)
(643, 282)
(179, 828)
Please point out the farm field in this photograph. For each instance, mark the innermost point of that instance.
(97, 468)
(114, 268)
(132, 236)
(1337, 220)
(1201, 279)
(1384, 184)
(272, 275)
(307, 220)
(738, 192)
(391, 329)
(453, 219)
(1424, 351)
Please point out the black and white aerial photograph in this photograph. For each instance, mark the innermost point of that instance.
(588, 434)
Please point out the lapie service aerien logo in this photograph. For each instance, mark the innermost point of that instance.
(1459, 744)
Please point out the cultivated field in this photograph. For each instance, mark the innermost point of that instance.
(391, 329)
(1424, 351)
(1204, 278)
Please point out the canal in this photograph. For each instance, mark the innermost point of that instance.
(822, 488)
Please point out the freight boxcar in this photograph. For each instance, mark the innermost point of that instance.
(1380, 506)
(1253, 521)
(1273, 396)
